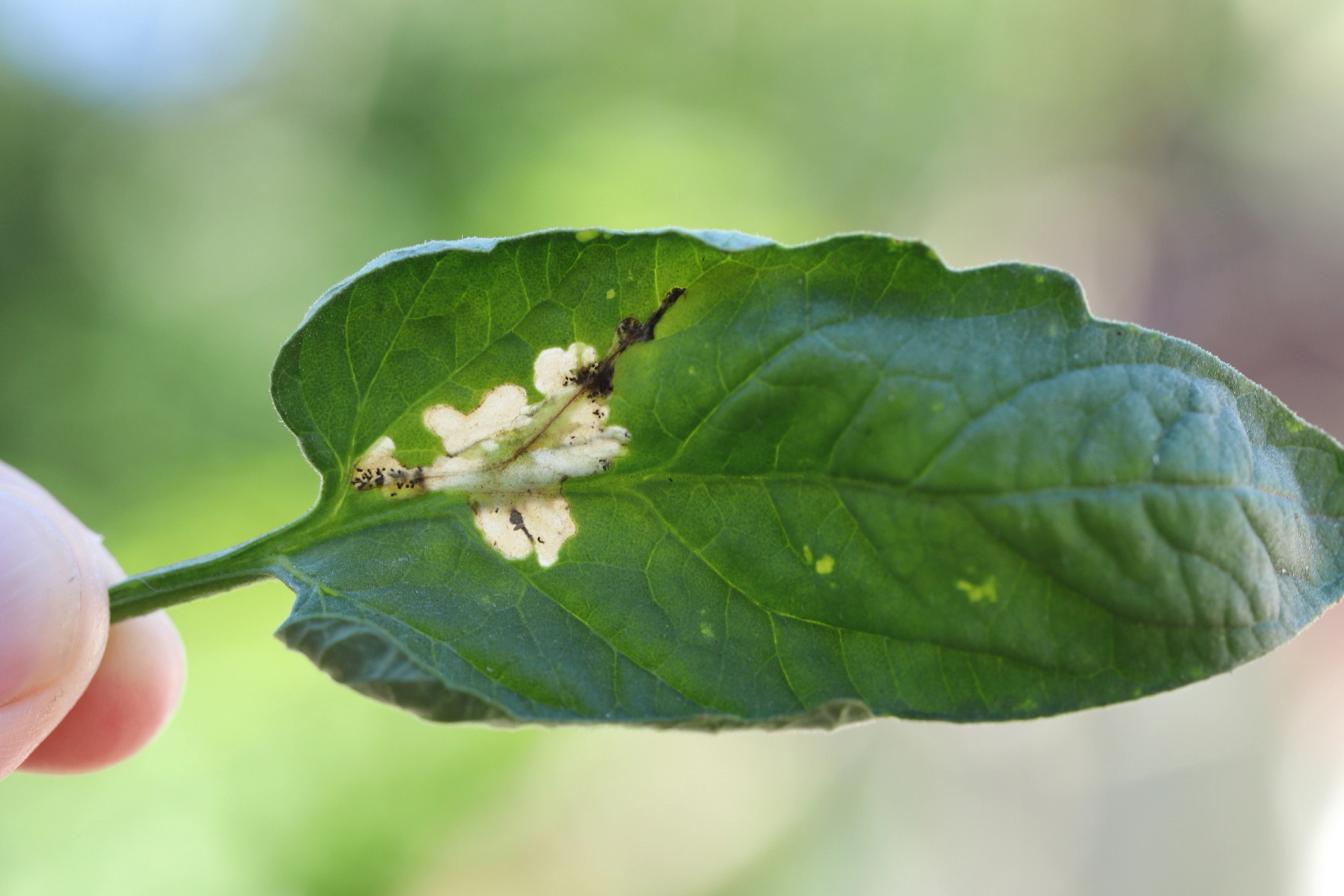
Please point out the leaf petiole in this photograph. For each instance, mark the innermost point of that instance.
(191, 579)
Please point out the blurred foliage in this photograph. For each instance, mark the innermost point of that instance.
(157, 245)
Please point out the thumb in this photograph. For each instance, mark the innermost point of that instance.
(53, 615)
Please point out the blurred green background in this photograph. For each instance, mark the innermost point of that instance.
(178, 181)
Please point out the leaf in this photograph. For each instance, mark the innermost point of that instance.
(843, 481)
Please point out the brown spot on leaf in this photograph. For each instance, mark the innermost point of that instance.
(596, 379)
(516, 520)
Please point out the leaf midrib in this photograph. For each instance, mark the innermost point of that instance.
(614, 482)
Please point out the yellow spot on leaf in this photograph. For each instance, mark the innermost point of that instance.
(825, 565)
(585, 236)
(611, 293)
(707, 630)
(987, 590)
(807, 555)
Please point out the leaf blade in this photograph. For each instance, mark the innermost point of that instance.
(856, 482)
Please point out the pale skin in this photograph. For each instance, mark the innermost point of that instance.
(75, 694)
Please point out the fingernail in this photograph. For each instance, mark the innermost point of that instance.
(39, 599)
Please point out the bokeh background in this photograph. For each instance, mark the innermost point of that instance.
(178, 181)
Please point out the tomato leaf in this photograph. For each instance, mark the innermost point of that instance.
(837, 480)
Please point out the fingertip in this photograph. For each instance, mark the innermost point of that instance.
(53, 616)
(131, 696)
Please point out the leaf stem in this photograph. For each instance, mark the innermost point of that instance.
(200, 577)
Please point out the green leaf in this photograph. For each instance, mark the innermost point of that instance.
(843, 481)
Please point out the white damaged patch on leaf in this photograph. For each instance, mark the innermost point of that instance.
(510, 456)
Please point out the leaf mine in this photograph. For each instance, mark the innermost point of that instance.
(510, 456)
